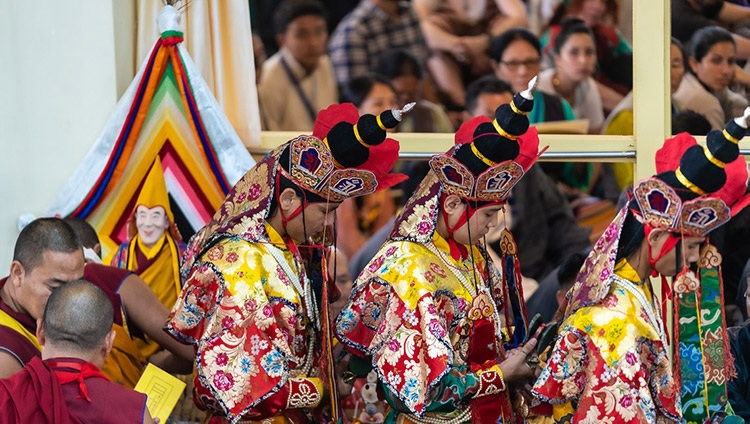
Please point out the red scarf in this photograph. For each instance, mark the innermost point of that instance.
(34, 395)
(81, 372)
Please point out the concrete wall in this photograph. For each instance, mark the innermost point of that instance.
(63, 65)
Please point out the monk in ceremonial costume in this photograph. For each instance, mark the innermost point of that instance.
(66, 386)
(611, 361)
(428, 309)
(259, 328)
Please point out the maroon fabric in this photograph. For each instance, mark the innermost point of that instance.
(110, 402)
(14, 342)
(33, 395)
(109, 279)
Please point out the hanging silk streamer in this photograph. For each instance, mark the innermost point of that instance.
(515, 307)
(167, 112)
(705, 361)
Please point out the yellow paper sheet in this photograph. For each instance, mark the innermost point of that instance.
(163, 391)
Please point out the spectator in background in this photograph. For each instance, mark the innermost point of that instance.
(259, 56)
(359, 218)
(405, 74)
(575, 59)
(367, 33)
(66, 386)
(298, 80)
(620, 120)
(689, 16)
(690, 122)
(738, 388)
(484, 95)
(614, 70)
(547, 299)
(516, 57)
(712, 56)
(459, 37)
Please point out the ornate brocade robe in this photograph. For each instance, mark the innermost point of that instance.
(413, 309)
(248, 320)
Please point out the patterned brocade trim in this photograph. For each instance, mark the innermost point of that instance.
(491, 382)
(304, 393)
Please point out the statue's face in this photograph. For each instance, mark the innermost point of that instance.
(151, 224)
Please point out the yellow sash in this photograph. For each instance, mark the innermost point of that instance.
(11, 323)
(125, 364)
(162, 276)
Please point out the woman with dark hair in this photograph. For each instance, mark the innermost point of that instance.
(571, 78)
(611, 359)
(712, 56)
(614, 70)
(620, 120)
(516, 56)
(405, 73)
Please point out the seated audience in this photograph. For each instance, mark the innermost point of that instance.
(614, 70)
(689, 16)
(575, 59)
(712, 56)
(297, 81)
(516, 57)
(371, 30)
(458, 35)
(405, 74)
(66, 386)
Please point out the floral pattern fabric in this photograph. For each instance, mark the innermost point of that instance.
(609, 365)
(411, 313)
(248, 324)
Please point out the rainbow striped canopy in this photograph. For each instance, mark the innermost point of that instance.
(167, 112)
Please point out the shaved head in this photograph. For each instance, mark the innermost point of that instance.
(78, 316)
(44, 235)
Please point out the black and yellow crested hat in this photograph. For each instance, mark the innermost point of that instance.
(491, 156)
(697, 187)
(346, 156)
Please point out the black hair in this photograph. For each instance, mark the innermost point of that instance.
(357, 89)
(85, 232)
(44, 235)
(501, 42)
(631, 235)
(399, 63)
(289, 10)
(488, 84)
(569, 268)
(78, 315)
(569, 27)
(705, 38)
(690, 122)
(677, 43)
